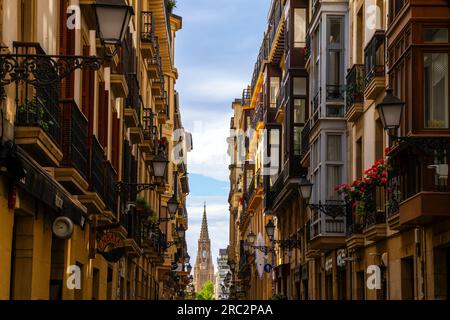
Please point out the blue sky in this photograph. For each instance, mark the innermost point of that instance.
(215, 54)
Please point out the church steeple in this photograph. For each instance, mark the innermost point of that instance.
(204, 234)
(204, 268)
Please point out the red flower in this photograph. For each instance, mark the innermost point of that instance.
(386, 151)
(384, 180)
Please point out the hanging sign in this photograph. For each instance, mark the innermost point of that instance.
(111, 247)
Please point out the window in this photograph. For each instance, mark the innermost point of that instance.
(334, 177)
(299, 111)
(436, 90)
(299, 86)
(359, 158)
(436, 35)
(334, 148)
(299, 28)
(274, 90)
(335, 57)
(298, 141)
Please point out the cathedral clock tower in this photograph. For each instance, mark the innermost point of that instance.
(204, 268)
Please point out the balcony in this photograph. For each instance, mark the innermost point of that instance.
(374, 60)
(131, 222)
(355, 93)
(73, 173)
(246, 97)
(161, 102)
(420, 191)
(158, 86)
(276, 34)
(258, 118)
(326, 233)
(355, 238)
(94, 198)
(109, 191)
(147, 35)
(38, 116)
(281, 101)
(256, 191)
(133, 101)
(375, 227)
(153, 242)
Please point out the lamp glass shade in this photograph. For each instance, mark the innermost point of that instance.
(305, 187)
(159, 165)
(390, 111)
(246, 246)
(232, 265)
(172, 206)
(112, 21)
(189, 268)
(251, 237)
(187, 259)
(270, 229)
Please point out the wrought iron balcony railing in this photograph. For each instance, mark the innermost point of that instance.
(74, 137)
(274, 21)
(246, 96)
(38, 106)
(133, 99)
(110, 194)
(374, 57)
(355, 85)
(96, 167)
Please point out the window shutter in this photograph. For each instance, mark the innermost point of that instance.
(66, 47)
(102, 115)
(115, 142)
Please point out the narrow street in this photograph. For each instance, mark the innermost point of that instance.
(228, 150)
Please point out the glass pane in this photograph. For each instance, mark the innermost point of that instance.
(436, 90)
(298, 140)
(333, 180)
(299, 111)
(435, 35)
(274, 90)
(299, 86)
(334, 146)
(334, 30)
(300, 28)
(334, 68)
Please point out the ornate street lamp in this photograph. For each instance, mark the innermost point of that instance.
(305, 187)
(113, 18)
(172, 206)
(270, 230)
(232, 265)
(391, 110)
(187, 258)
(189, 268)
(251, 237)
(159, 165)
(332, 208)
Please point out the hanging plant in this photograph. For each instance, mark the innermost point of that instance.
(360, 192)
(170, 5)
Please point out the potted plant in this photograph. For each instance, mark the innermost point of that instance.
(170, 5)
(33, 112)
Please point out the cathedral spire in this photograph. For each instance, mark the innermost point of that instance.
(204, 235)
